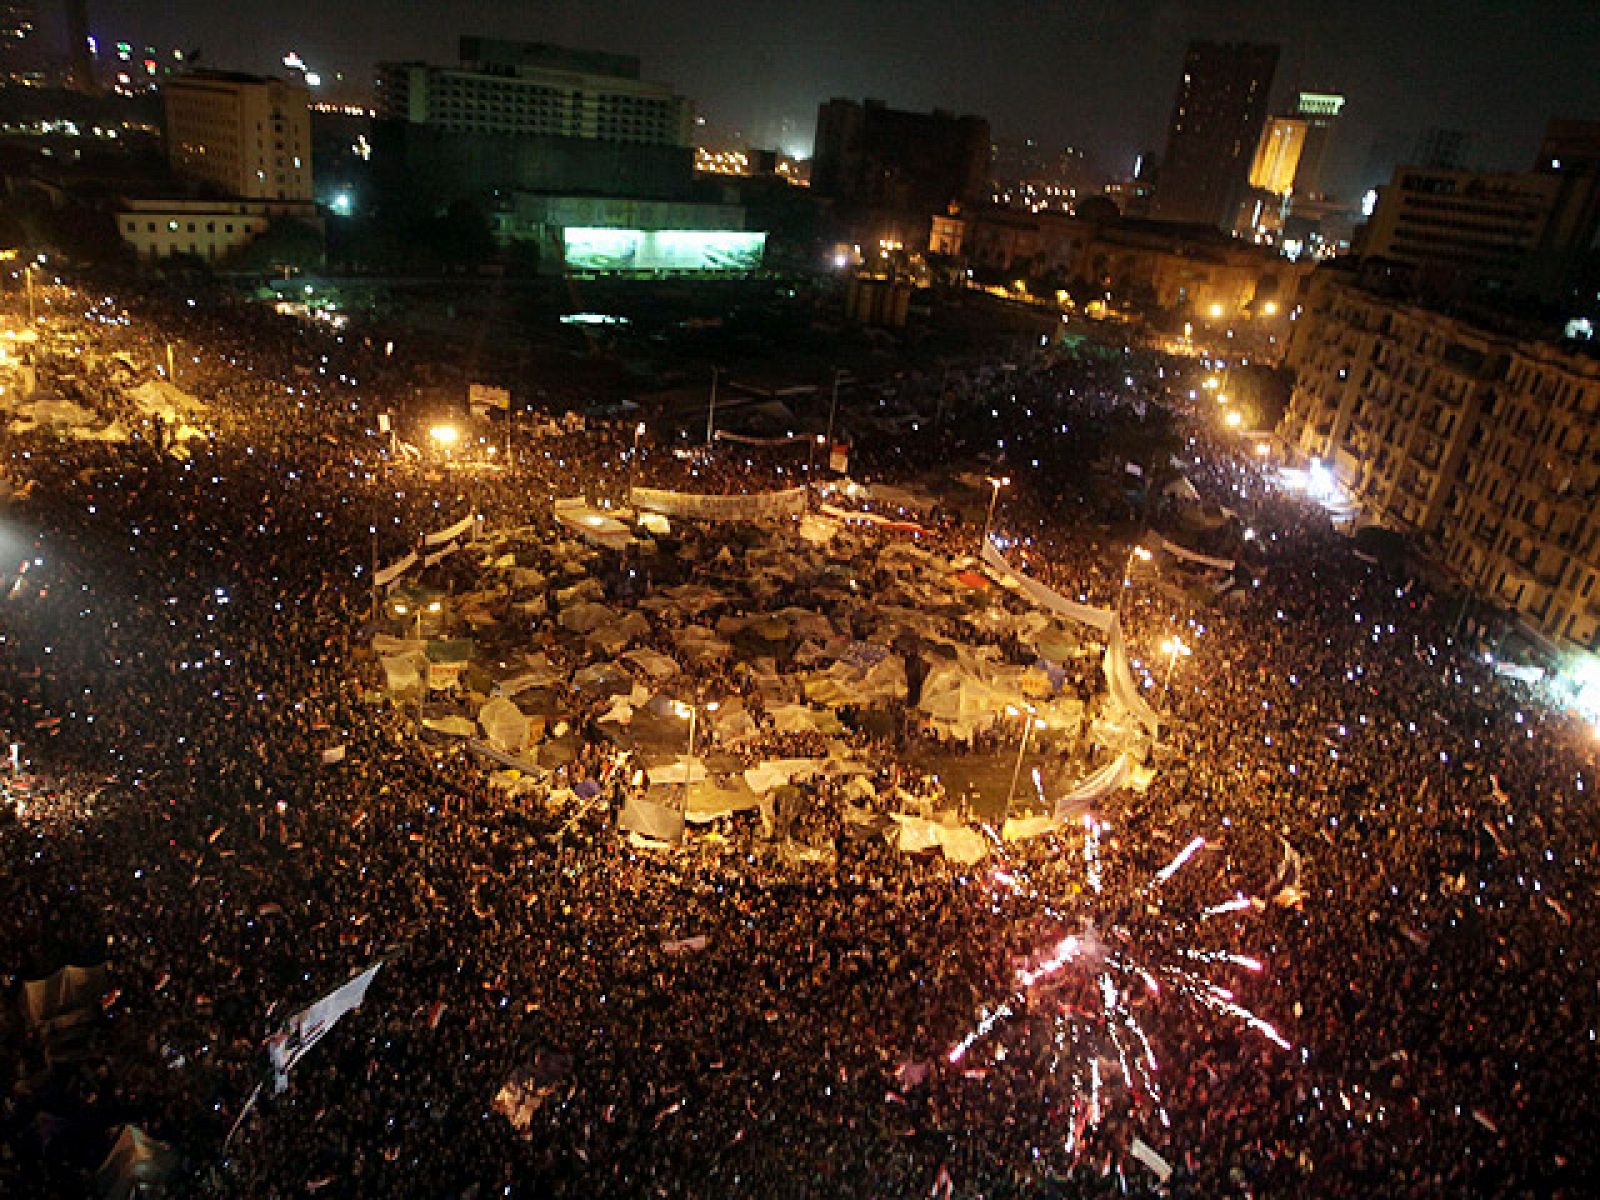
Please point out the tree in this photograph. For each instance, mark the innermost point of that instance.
(285, 242)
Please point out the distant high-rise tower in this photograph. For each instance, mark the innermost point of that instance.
(1320, 112)
(19, 42)
(80, 64)
(1215, 128)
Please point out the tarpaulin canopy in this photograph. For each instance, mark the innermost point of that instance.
(586, 617)
(136, 1162)
(453, 726)
(957, 842)
(592, 525)
(652, 820)
(505, 725)
(67, 990)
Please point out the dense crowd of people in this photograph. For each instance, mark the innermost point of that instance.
(185, 634)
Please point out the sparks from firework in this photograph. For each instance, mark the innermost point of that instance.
(1086, 989)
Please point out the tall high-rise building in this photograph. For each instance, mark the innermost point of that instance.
(80, 63)
(247, 135)
(1319, 112)
(1570, 153)
(1212, 137)
(19, 42)
(870, 156)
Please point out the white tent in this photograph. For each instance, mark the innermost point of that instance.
(505, 725)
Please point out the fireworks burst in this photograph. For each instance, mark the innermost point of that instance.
(1075, 1006)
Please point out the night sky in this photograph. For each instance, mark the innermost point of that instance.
(1100, 74)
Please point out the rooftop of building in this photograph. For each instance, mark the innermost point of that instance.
(209, 75)
(1509, 316)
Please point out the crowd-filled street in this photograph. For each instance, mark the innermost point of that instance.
(244, 774)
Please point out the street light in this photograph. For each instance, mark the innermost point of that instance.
(1233, 419)
(633, 460)
(1143, 555)
(445, 435)
(995, 482)
(691, 713)
(1173, 647)
(433, 606)
(1029, 724)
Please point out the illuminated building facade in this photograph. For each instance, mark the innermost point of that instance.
(1278, 155)
(210, 230)
(20, 62)
(1483, 444)
(532, 89)
(246, 135)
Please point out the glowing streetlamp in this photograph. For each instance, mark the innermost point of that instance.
(1174, 648)
(1143, 555)
(1030, 722)
(1232, 419)
(996, 482)
(402, 609)
(445, 436)
(633, 459)
(690, 713)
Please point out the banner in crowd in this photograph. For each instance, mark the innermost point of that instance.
(745, 439)
(305, 1029)
(1194, 556)
(1121, 684)
(1146, 1154)
(447, 535)
(1520, 673)
(439, 556)
(394, 570)
(692, 506)
(1088, 791)
(334, 754)
(1098, 619)
(873, 519)
(1118, 671)
(839, 458)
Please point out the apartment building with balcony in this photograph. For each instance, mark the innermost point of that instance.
(1523, 528)
(1484, 444)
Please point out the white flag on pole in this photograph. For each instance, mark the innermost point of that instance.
(306, 1029)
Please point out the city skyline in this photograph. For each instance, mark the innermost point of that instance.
(1097, 74)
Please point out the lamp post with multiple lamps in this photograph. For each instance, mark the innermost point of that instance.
(690, 713)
